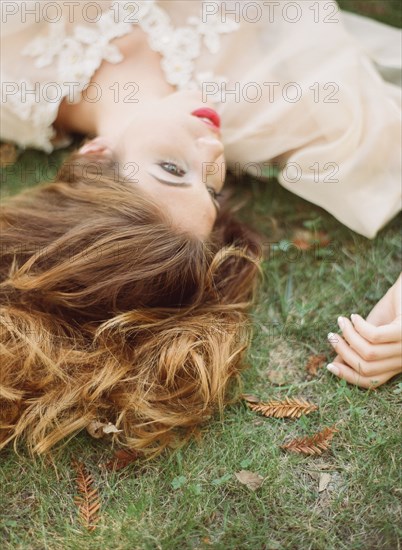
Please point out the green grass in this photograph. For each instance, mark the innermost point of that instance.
(144, 508)
(298, 304)
(385, 11)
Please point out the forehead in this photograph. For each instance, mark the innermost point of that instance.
(189, 208)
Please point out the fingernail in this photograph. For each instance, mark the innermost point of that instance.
(341, 322)
(353, 317)
(332, 338)
(332, 368)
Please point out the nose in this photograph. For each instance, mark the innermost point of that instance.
(211, 148)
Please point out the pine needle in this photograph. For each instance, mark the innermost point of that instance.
(88, 501)
(312, 445)
(289, 408)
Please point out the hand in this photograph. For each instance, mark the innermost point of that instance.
(370, 351)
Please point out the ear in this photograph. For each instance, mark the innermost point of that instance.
(97, 145)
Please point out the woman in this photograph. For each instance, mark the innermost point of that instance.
(124, 290)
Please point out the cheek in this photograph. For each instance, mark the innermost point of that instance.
(209, 216)
(223, 169)
(195, 214)
(209, 226)
(129, 170)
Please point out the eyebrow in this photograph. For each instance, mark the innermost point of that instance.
(182, 184)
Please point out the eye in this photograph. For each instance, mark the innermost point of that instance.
(173, 168)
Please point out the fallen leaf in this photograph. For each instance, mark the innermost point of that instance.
(94, 429)
(314, 363)
(312, 445)
(276, 377)
(250, 479)
(250, 398)
(8, 154)
(305, 240)
(301, 239)
(323, 483)
(98, 429)
(87, 500)
(110, 429)
(289, 408)
(314, 475)
(122, 458)
(325, 497)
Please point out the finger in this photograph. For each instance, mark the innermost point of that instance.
(379, 315)
(377, 335)
(346, 373)
(365, 368)
(366, 350)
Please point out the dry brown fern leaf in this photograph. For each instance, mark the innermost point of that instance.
(289, 408)
(88, 501)
(312, 445)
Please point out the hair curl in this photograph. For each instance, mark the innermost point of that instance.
(109, 313)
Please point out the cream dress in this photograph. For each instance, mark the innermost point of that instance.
(299, 85)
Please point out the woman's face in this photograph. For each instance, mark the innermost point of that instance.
(176, 157)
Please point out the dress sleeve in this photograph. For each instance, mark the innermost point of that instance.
(328, 115)
(50, 52)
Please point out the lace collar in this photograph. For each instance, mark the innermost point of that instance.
(77, 55)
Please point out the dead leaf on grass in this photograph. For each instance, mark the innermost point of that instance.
(122, 458)
(110, 429)
(250, 398)
(99, 429)
(314, 475)
(323, 482)
(314, 363)
(8, 154)
(325, 497)
(87, 500)
(305, 240)
(312, 445)
(252, 480)
(289, 408)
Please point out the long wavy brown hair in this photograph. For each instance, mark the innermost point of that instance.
(109, 313)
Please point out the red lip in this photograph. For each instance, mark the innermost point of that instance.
(209, 114)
